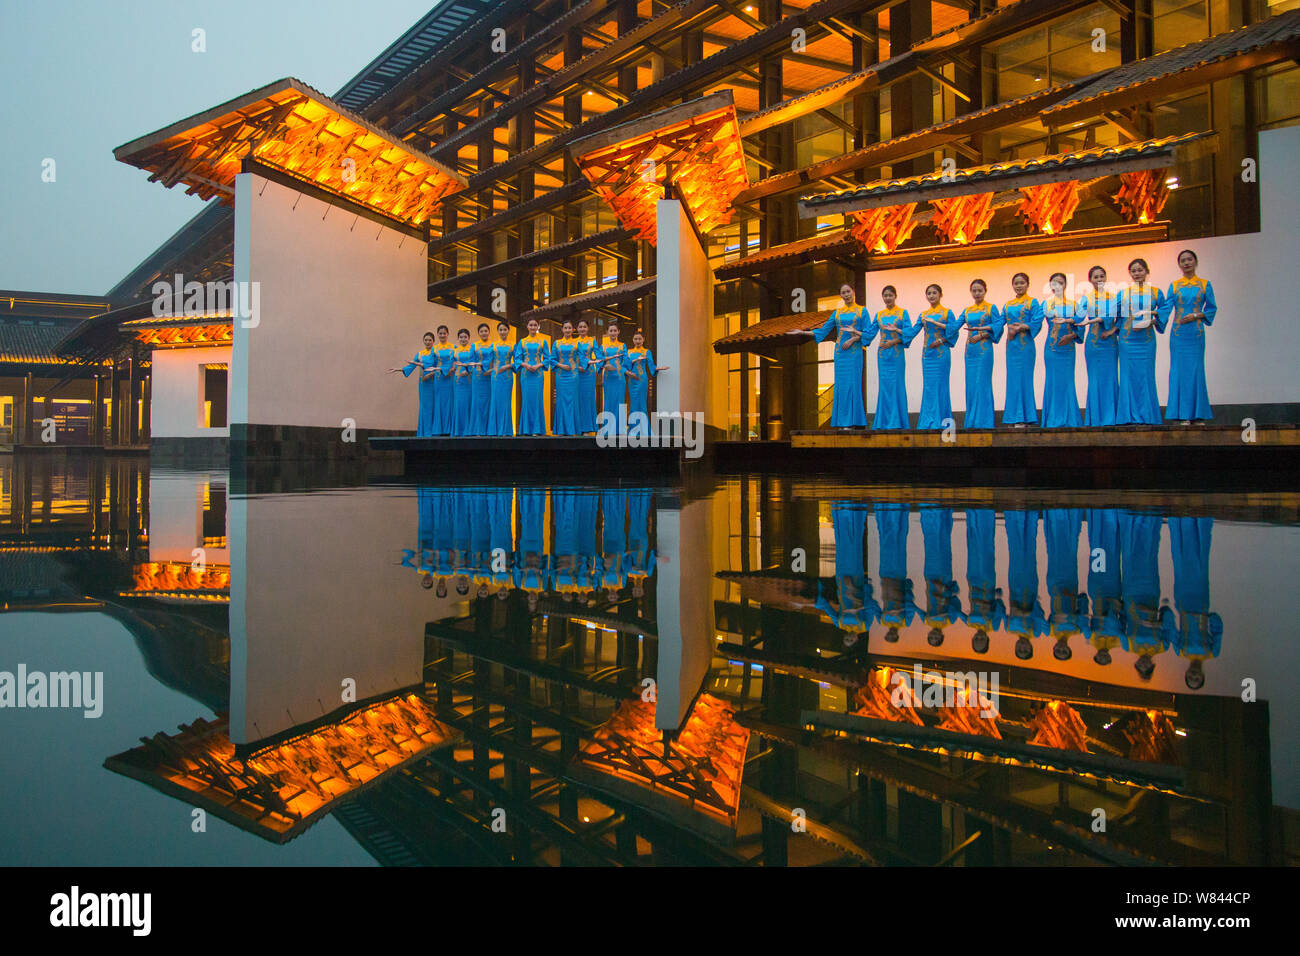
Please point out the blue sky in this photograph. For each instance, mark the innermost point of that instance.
(81, 77)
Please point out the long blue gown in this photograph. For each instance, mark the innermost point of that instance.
(1189, 398)
(444, 398)
(641, 368)
(1101, 356)
(891, 370)
(532, 567)
(1025, 617)
(501, 418)
(423, 360)
(1060, 398)
(463, 422)
(1106, 624)
(501, 535)
(613, 540)
(532, 392)
(567, 568)
(979, 363)
(1022, 353)
(848, 408)
(850, 612)
(587, 377)
(1148, 629)
(897, 608)
(640, 558)
(1138, 403)
(614, 377)
(987, 612)
(943, 603)
(566, 418)
(936, 367)
(481, 379)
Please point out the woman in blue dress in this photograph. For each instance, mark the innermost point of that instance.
(1025, 617)
(444, 399)
(1098, 311)
(1023, 316)
(481, 401)
(1060, 399)
(587, 378)
(532, 359)
(896, 334)
(640, 369)
(1191, 302)
(1199, 633)
(853, 331)
(942, 605)
(501, 371)
(565, 355)
(423, 360)
(987, 612)
(1142, 308)
(612, 358)
(897, 609)
(1148, 626)
(1069, 608)
(1106, 624)
(983, 324)
(939, 335)
(463, 369)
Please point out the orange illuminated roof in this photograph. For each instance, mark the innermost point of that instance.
(696, 147)
(281, 789)
(294, 129)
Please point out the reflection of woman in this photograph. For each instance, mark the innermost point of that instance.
(1023, 316)
(640, 369)
(1106, 625)
(640, 558)
(444, 399)
(532, 358)
(613, 542)
(1060, 400)
(1147, 628)
(896, 334)
(501, 419)
(1141, 307)
(1191, 300)
(1098, 310)
(852, 329)
(983, 328)
(938, 336)
(1200, 631)
(565, 356)
(897, 609)
(853, 591)
(501, 541)
(586, 379)
(423, 360)
(943, 606)
(987, 611)
(1061, 527)
(1025, 616)
(532, 573)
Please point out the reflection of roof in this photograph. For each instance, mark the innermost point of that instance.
(280, 790)
(1058, 167)
(1267, 41)
(771, 333)
(599, 298)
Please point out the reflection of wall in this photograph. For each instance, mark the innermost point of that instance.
(342, 300)
(1251, 348)
(176, 515)
(318, 594)
(683, 313)
(176, 400)
(683, 601)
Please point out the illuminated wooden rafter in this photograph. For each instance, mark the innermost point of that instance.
(1048, 207)
(700, 769)
(1142, 195)
(282, 789)
(1059, 725)
(883, 229)
(695, 148)
(299, 131)
(962, 218)
(876, 698)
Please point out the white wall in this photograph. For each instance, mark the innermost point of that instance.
(342, 300)
(1253, 346)
(175, 408)
(683, 606)
(176, 514)
(683, 313)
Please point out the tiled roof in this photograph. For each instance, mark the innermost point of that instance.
(770, 333)
(22, 342)
(598, 298)
(1077, 165)
(1279, 30)
(812, 249)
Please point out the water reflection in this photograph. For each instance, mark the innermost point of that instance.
(635, 674)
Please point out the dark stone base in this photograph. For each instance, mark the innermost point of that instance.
(279, 443)
(190, 452)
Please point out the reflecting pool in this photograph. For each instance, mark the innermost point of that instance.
(741, 670)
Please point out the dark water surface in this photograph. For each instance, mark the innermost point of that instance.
(748, 670)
